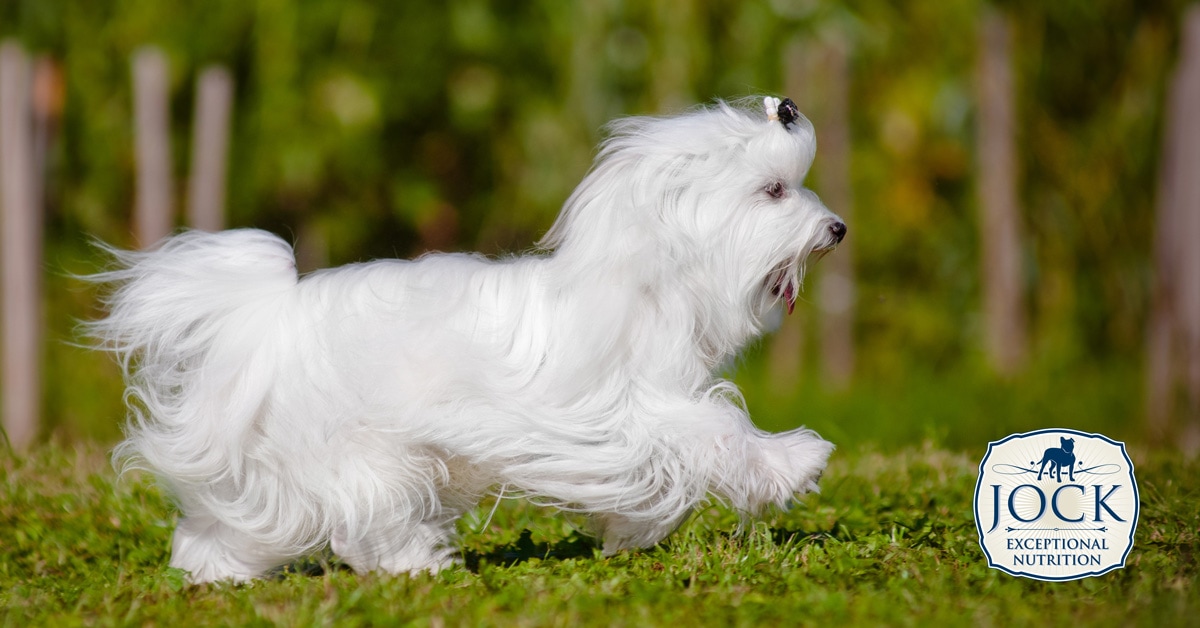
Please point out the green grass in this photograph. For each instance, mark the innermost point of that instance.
(889, 540)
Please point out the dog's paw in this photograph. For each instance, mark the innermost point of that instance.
(209, 552)
(420, 548)
(801, 456)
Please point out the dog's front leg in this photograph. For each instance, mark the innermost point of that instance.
(757, 469)
(398, 548)
(210, 551)
(716, 448)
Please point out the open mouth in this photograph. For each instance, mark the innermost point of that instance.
(784, 283)
(784, 280)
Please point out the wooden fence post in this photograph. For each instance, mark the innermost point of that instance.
(154, 212)
(1189, 204)
(20, 252)
(210, 150)
(837, 290)
(999, 224)
(1173, 329)
(818, 77)
(785, 357)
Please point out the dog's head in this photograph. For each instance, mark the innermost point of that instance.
(1068, 444)
(708, 206)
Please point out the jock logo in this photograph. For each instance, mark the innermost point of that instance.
(1056, 504)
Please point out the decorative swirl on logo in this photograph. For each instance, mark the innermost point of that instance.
(1012, 529)
(1012, 469)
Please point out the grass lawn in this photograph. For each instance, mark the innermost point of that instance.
(889, 540)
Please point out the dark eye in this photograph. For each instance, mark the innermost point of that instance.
(775, 190)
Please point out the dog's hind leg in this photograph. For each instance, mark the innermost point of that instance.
(411, 528)
(210, 551)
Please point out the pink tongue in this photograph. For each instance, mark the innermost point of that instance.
(789, 295)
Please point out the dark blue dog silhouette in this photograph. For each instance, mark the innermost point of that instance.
(1060, 458)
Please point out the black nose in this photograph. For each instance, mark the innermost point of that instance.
(838, 229)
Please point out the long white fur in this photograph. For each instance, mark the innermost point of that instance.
(368, 406)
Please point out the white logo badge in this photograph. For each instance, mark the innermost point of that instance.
(1056, 505)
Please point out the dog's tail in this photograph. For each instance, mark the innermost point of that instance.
(191, 323)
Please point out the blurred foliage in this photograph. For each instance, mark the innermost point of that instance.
(386, 128)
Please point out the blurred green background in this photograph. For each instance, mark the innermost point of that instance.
(375, 129)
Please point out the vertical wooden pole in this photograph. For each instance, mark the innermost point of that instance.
(210, 150)
(837, 290)
(20, 248)
(1173, 332)
(153, 212)
(1188, 198)
(999, 224)
(818, 78)
(785, 357)
(1161, 325)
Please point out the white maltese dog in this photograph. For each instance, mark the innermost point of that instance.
(368, 407)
